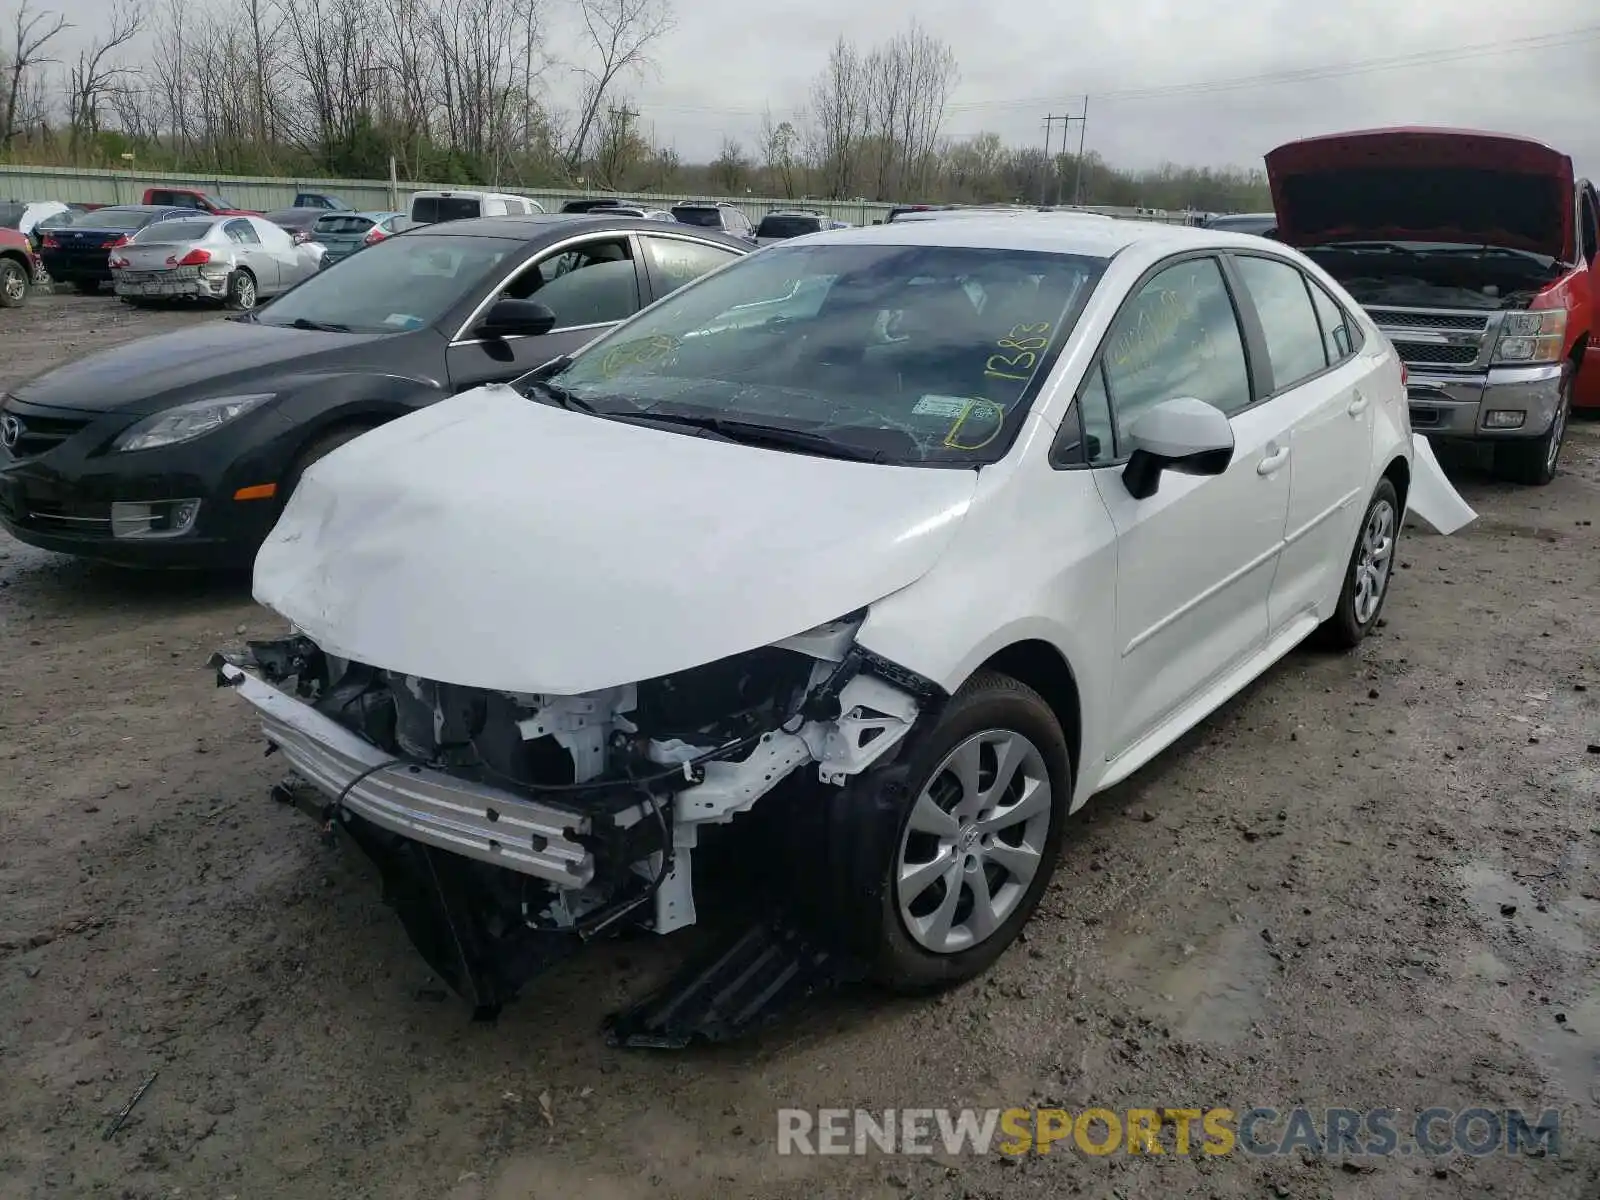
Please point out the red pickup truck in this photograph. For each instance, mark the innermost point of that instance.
(1475, 254)
(197, 200)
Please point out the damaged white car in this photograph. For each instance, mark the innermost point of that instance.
(872, 556)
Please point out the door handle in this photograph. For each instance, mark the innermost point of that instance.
(1272, 462)
(1358, 405)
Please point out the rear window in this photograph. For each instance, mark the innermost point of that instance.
(173, 231)
(115, 218)
(432, 209)
(706, 218)
(787, 227)
(343, 225)
(11, 215)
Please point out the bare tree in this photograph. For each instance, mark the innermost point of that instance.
(730, 167)
(780, 143)
(838, 113)
(99, 69)
(31, 35)
(618, 35)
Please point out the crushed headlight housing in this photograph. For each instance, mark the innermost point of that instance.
(188, 421)
(1527, 338)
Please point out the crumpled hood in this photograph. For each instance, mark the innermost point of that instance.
(1426, 185)
(494, 541)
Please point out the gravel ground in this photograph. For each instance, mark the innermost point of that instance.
(1371, 881)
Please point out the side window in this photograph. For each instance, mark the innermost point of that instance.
(591, 284)
(1336, 333)
(1177, 336)
(1289, 323)
(1094, 414)
(676, 261)
(241, 232)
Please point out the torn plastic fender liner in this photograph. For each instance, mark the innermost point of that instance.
(1432, 496)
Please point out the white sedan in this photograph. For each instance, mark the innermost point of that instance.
(975, 520)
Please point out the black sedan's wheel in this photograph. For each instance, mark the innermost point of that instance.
(14, 283)
(241, 291)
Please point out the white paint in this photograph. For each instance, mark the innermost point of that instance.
(1433, 497)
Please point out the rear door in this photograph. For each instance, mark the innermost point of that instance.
(590, 283)
(1318, 384)
(252, 256)
(672, 260)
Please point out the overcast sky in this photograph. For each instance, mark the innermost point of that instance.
(727, 59)
(1022, 62)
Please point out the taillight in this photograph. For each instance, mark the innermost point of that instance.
(375, 234)
(121, 241)
(50, 242)
(194, 258)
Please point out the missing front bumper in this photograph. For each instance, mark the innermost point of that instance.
(416, 802)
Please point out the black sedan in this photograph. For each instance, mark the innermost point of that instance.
(79, 253)
(180, 450)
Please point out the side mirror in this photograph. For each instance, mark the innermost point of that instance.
(516, 318)
(1184, 435)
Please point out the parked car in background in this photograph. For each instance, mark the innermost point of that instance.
(298, 223)
(181, 449)
(19, 267)
(782, 224)
(237, 261)
(714, 214)
(342, 234)
(197, 200)
(27, 217)
(634, 210)
(79, 253)
(590, 203)
(1044, 535)
(428, 208)
(1260, 224)
(320, 200)
(1475, 253)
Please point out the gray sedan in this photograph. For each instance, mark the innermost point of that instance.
(237, 260)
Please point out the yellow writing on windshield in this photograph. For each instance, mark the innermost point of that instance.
(637, 352)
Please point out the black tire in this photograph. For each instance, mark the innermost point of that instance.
(89, 287)
(842, 855)
(241, 291)
(317, 449)
(1346, 629)
(1533, 461)
(14, 283)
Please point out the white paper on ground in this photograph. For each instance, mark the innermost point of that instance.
(1433, 497)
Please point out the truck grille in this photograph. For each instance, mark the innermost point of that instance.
(1397, 318)
(1435, 355)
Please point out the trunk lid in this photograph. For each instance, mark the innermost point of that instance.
(1425, 185)
(152, 256)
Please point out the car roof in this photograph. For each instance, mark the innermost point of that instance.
(453, 192)
(536, 225)
(1061, 233)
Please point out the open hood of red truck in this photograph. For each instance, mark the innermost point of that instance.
(1424, 185)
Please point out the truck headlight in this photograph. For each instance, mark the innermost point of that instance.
(187, 421)
(1532, 337)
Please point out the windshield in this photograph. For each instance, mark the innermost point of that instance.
(395, 285)
(114, 218)
(908, 354)
(344, 225)
(172, 231)
(706, 218)
(787, 227)
(430, 210)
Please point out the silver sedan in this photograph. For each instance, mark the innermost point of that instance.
(237, 260)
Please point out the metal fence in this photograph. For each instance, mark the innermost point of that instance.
(262, 193)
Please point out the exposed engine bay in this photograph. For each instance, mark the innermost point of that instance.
(1461, 277)
(509, 828)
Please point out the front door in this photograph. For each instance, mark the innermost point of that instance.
(1317, 383)
(1195, 561)
(590, 285)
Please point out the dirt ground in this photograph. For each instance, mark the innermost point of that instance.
(1308, 900)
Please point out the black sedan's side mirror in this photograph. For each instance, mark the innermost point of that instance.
(517, 318)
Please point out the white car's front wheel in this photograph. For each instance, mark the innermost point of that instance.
(978, 834)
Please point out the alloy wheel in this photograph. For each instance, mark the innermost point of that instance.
(1374, 562)
(973, 842)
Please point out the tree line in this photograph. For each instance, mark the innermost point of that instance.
(461, 91)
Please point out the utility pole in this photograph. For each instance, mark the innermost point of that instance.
(1044, 186)
(1083, 129)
